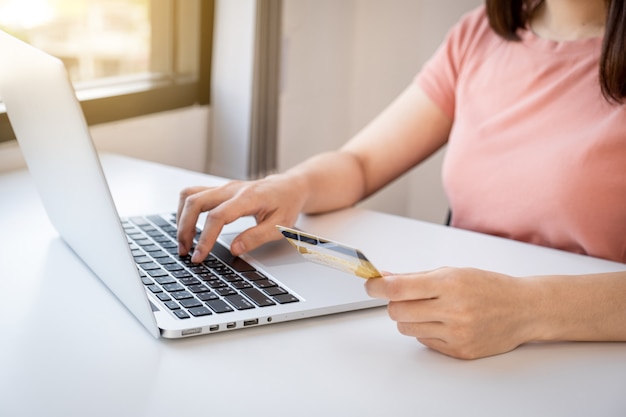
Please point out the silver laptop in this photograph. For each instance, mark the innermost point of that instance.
(136, 258)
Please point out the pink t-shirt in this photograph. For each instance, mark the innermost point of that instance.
(536, 153)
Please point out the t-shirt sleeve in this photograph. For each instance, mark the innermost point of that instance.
(439, 75)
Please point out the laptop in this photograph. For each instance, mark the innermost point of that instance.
(136, 257)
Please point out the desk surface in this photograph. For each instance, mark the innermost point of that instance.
(61, 356)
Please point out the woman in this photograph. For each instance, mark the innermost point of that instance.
(527, 95)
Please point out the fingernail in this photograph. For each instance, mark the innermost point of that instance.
(237, 248)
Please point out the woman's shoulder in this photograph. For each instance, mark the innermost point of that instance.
(474, 19)
(466, 43)
(472, 36)
(473, 26)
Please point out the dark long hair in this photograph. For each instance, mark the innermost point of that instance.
(507, 16)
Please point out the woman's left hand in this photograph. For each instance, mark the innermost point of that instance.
(461, 312)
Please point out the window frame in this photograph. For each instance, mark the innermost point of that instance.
(183, 78)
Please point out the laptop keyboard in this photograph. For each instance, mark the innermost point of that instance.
(221, 284)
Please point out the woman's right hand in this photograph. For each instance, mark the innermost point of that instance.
(276, 199)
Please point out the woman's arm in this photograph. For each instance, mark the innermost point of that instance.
(470, 313)
(407, 132)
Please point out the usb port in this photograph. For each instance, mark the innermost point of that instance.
(251, 322)
(214, 328)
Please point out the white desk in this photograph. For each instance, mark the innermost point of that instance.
(60, 355)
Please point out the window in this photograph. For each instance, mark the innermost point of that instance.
(126, 58)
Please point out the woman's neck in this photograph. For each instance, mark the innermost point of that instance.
(568, 20)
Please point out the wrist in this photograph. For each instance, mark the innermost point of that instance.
(545, 302)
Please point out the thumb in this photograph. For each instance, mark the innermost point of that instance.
(254, 237)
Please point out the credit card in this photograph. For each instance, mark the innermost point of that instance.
(330, 253)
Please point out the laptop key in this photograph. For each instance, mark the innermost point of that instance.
(254, 276)
(286, 299)
(217, 283)
(190, 303)
(165, 280)
(157, 273)
(148, 266)
(240, 285)
(258, 297)
(232, 278)
(239, 302)
(158, 220)
(219, 306)
(222, 270)
(172, 305)
(139, 221)
(181, 314)
(158, 254)
(154, 288)
(170, 230)
(147, 228)
(199, 288)
(169, 245)
(173, 287)
(225, 291)
(182, 274)
(200, 311)
(181, 295)
(274, 291)
(207, 276)
(207, 296)
(234, 262)
(156, 234)
(173, 267)
(142, 259)
(189, 281)
(212, 262)
(265, 283)
(199, 269)
(186, 260)
(165, 260)
(163, 296)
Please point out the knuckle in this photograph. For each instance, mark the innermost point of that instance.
(404, 329)
(250, 192)
(394, 310)
(393, 289)
(190, 199)
(464, 353)
(235, 187)
(234, 183)
(469, 351)
(215, 216)
(186, 192)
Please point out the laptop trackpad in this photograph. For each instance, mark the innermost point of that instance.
(270, 254)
